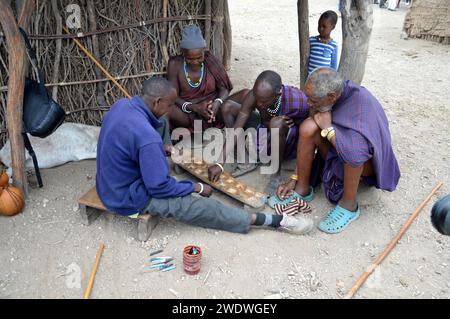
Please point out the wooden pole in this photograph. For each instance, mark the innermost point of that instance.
(26, 10)
(164, 32)
(139, 24)
(357, 21)
(124, 77)
(362, 279)
(57, 60)
(217, 44)
(227, 36)
(100, 87)
(16, 84)
(94, 271)
(147, 52)
(303, 39)
(208, 24)
(100, 66)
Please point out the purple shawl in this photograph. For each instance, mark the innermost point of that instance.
(293, 104)
(362, 133)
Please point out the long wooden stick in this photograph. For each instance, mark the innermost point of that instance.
(217, 45)
(391, 245)
(90, 56)
(303, 39)
(16, 84)
(114, 29)
(123, 77)
(208, 23)
(164, 32)
(94, 271)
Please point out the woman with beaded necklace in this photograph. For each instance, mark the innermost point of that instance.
(202, 84)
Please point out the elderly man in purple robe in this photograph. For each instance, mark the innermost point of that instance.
(349, 129)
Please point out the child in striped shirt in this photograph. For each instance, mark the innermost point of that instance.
(323, 49)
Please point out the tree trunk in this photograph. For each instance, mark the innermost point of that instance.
(101, 101)
(217, 37)
(227, 36)
(147, 51)
(57, 49)
(303, 39)
(25, 8)
(208, 24)
(164, 33)
(16, 83)
(357, 21)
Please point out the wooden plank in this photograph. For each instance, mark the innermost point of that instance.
(91, 199)
(91, 207)
(227, 184)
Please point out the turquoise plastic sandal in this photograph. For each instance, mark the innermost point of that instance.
(337, 220)
(274, 199)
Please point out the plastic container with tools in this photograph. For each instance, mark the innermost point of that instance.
(192, 256)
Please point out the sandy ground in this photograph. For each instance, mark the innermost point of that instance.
(42, 249)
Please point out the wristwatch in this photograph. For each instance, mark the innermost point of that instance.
(325, 131)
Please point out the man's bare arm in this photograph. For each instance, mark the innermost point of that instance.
(247, 108)
(223, 93)
(215, 105)
(172, 76)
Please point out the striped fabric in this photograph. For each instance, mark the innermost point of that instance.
(322, 54)
(362, 134)
(294, 207)
(293, 104)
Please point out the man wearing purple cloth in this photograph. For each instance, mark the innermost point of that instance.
(133, 174)
(278, 106)
(350, 130)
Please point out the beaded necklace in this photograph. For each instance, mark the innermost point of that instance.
(274, 111)
(188, 79)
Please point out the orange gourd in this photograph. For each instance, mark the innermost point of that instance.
(11, 201)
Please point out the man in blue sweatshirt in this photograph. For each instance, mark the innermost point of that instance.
(133, 173)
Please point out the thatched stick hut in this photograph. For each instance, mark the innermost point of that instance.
(132, 39)
(429, 20)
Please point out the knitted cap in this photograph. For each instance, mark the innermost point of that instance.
(192, 38)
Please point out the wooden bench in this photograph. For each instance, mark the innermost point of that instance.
(90, 207)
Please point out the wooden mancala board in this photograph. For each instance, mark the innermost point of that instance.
(226, 184)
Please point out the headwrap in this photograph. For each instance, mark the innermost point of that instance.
(192, 38)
